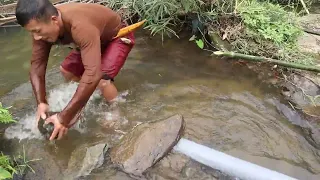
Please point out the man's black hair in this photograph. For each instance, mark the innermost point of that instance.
(27, 10)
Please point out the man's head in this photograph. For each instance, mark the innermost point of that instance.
(40, 18)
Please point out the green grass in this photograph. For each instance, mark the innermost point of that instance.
(268, 25)
(5, 115)
(163, 16)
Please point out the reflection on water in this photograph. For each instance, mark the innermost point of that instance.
(225, 107)
(15, 58)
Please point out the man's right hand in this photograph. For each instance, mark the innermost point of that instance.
(41, 111)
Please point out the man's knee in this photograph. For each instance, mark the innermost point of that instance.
(108, 89)
(68, 75)
(103, 83)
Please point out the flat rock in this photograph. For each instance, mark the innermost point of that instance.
(146, 144)
(311, 22)
(310, 42)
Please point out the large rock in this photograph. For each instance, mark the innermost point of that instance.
(309, 42)
(146, 144)
(311, 22)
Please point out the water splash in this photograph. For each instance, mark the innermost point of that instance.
(24, 129)
(58, 98)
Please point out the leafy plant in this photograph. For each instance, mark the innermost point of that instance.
(6, 169)
(270, 21)
(270, 30)
(162, 15)
(199, 42)
(5, 115)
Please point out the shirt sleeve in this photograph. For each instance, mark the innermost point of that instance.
(39, 61)
(87, 37)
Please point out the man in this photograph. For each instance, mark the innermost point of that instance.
(94, 63)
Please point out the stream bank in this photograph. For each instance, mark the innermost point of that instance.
(300, 88)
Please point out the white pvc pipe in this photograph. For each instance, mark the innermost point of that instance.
(226, 163)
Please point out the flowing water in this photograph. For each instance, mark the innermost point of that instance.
(225, 106)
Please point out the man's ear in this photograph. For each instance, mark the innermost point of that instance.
(54, 19)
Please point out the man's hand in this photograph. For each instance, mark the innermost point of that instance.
(41, 111)
(59, 129)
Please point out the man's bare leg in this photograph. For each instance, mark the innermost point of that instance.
(68, 76)
(108, 90)
(106, 87)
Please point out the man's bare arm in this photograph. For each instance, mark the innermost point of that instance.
(88, 38)
(39, 61)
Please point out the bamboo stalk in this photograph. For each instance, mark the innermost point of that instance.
(9, 26)
(267, 60)
(7, 20)
(304, 6)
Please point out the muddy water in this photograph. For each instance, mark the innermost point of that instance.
(225, 107)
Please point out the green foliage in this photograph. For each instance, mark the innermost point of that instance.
(4, 174)
(200, 43)
(269, 30)
(5, 116)
(270, 21)
(6, 169)
(264, 29)
(15, 165)
(162, 15)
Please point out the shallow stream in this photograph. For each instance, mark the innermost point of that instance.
(225, 106)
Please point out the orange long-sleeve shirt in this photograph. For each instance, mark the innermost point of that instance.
(89, 27)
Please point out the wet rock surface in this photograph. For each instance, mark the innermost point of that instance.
(309, 42)
(84, 160)
(146, 144)
(311, 133)
(46, 166)
(311, 22)
(301, 90)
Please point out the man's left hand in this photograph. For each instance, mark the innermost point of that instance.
(59, 129)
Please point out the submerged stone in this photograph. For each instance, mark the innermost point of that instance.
(84, 160)
(146, 144)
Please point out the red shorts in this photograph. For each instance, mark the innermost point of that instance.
(113, 56)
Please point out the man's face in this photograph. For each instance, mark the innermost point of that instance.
(44, 30)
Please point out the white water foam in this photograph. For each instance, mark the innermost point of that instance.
(58, 98)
